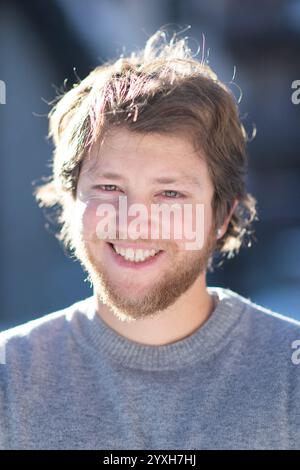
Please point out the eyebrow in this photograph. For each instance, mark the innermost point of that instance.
(183, 178)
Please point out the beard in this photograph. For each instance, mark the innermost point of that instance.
(173, 282)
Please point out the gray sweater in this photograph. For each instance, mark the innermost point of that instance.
(69, 381)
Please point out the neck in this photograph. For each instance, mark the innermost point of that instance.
(176, 322)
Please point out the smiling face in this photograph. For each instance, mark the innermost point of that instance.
(147, 169)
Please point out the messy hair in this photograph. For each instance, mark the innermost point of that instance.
(161, 89)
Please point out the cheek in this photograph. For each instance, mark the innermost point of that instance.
(197, 224)
(85, 219)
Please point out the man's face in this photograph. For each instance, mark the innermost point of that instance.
(142, 165)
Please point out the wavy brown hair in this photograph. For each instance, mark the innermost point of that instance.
(160, 89)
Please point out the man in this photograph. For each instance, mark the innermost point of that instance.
(155, 359)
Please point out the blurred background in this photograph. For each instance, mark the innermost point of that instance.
(41, 42)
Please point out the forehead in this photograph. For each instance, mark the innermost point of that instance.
(123, 150)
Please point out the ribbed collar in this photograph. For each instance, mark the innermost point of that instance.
(206, 341)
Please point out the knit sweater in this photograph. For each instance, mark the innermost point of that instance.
(69, 381)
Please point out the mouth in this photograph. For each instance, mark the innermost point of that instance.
(132, 263)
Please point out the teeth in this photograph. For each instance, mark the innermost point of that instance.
(135, 255)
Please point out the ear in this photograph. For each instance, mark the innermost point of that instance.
(222, 229)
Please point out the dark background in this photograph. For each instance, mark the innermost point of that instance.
(41, 42)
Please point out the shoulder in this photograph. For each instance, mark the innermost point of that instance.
(40, 335)
(267, 336)
(269, 323)
(257, 316)
(265, 350)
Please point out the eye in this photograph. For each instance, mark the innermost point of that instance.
(173, 194)
(106, 187)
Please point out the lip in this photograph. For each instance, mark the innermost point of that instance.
(123, 263)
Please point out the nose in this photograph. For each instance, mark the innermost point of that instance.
(134, 219)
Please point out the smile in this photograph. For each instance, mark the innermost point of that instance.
(130, 257)
(136, 255)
